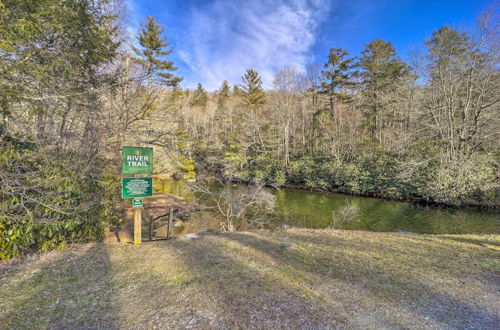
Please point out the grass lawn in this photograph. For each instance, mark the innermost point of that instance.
(327, 279)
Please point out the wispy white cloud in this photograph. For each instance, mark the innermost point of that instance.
(185, 56)
(227, 37)
(133, 21)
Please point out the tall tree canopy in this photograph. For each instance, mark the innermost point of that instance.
(52, 55)
(337, 75)
(463, 84)
(56, 65)
(153, 53)
(251, 89)
(223, 93)
(381, 72)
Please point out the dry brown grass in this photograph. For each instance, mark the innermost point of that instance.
(328, 279)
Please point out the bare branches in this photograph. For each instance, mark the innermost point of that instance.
(237, 206)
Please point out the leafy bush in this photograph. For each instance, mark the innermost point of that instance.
(308, 172)
(463, 179)
(187, 167)
(383, 176)
(346, 177)
(51, 198)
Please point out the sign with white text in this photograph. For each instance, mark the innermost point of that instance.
(137, 203)
(137, 160)
(137, 187)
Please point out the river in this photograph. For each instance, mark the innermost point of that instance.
(303, 208)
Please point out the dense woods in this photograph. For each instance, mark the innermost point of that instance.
(74, 88)
(369, 124)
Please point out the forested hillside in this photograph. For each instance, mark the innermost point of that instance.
(75, 87)
(369, 124)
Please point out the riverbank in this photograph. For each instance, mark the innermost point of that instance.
(491, 205)
(309, 209)
(415, 199)
(226, 280)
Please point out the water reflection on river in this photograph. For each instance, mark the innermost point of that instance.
(304, 208)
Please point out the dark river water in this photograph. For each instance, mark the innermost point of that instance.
(303, 208)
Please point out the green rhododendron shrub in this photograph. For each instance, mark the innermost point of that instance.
(51, 198)
(463, 179)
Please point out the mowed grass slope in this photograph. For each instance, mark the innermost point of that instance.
(327, 279)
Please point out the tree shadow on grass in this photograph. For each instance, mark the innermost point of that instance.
(227, 280)
(478, 242)
(382, 284)
(248, 294)
(208, 283)
(69, 289)
(418, 244)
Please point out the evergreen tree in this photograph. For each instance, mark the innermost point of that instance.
(236, 90)
(200, 96)
(381, 72)
(223, 94)
(337, 76)
(251, 90)
(54, 48)
(154, 50)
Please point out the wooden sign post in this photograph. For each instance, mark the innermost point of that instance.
(137, 206)
(137, 160)
(137, 226)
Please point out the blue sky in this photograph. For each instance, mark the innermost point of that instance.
(215, 40)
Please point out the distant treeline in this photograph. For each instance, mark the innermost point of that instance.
(370, 125)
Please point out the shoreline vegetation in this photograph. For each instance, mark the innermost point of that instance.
(474, 204)
(416, 200)
(298, 278)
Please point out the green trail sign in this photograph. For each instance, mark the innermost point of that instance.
(137, 187)
(137, 203)
(137, 160)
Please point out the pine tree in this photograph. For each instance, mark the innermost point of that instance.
(154, 50)
(251, 90)
(381, 72)
(200, 96)
(337, 76)
(54, 48)
(236, 90)
(223, 94)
